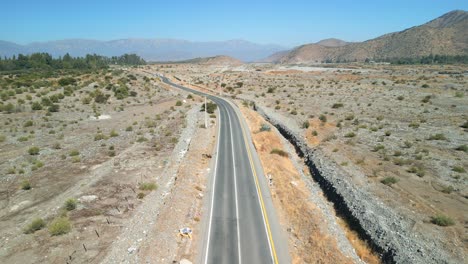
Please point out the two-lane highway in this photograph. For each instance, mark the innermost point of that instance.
(239, 228)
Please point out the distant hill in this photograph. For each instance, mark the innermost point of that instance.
(446, 35)
(148, 49)
(220, 60)
(332, 42)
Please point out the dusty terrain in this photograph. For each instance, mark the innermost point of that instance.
(110, 154)
(399, 132)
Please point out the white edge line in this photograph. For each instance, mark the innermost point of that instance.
(212, 189)
(235, 189)
(244, 135)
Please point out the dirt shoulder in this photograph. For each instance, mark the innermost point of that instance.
(312, 237)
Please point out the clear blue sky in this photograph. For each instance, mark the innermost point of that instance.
(286, 22)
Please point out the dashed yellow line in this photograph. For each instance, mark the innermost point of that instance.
(262, 205)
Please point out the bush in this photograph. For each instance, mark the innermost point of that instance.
(54, 108)
(463, 148)
(129, 128)
(350, 135)
(113, 133)
(28, 123)
(323, 118)
(464, 125)
(280, 152)
(389, 181)
(337, 105)
(141, 195)
(148, 186)
(74, 153)
(378, 147)
(70, 204)
(33, 151)
(66, 81)
(314, 133)
(60, 226)
(438, 136)
(442, 220)
(36, 106)
(400, 98)
(211, 107)
(35, 225)
(306, 124)
(25, 185)
(99, 136)
(458, 169)
(265, 127)
(178, 103)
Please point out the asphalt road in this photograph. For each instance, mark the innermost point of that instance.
(243, 227)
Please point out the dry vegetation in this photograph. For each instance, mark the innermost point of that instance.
(78, 153)
(398, 131)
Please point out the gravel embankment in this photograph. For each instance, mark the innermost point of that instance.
(389, 234)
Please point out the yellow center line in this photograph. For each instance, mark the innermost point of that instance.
(262, 205)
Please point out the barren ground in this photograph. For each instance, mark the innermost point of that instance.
(400, 132)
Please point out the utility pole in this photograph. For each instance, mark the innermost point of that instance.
(206, 121)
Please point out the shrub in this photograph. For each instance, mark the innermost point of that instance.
(442, 220)
(350, 135)
(99, 136)
(74, 153)
(35, 225)
(25, 185)
(425, 85)
(464, 125)
(305, 124)
(210, 107)
(36, 106)
(70, 204)
(142, 139)
(66, 81)
(323, 118)
(33, 151)
(447, 189)
(400, 98)
(54, 108)
(178, 103)
(280, 152)
(148, 186)
(265, 127)
(389, 181)
(438, 136)
(458, 169)
(113, 133)
(349, 117)
(314, 133)
(388, 133)
(463, 148)
(337, 105)
(129, 128)
(28, 123)
(60, 226)
(141, 195)
(378, 147)
(2, 138)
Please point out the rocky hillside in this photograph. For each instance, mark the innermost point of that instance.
(446, 35)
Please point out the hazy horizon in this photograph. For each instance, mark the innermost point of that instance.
(264, 22)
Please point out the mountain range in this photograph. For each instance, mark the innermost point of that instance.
(149, 49)
(445, 35)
